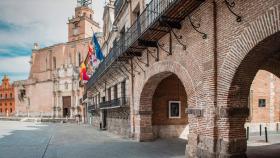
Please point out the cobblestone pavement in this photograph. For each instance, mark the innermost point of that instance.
(35, 140)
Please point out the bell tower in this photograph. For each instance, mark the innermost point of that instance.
(82, 24)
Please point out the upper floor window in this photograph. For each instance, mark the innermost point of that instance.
(11, 95)
(123, 88)
(109, 93)
(6, 96)
(54, 62)
(0, 95)
(116, 91)
(262, 102)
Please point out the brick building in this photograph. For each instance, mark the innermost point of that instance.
(52, 88)
(177, 64)
(265, 98)
(7, 97)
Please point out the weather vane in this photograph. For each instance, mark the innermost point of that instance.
(84, 3)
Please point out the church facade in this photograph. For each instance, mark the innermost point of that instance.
(53, 88)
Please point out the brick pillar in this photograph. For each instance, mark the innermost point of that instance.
(143, 126)
(232, 140)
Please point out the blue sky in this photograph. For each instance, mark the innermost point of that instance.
(23, 23)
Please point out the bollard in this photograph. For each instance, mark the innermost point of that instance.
(260, 130)
(247, 133)
(265, 130)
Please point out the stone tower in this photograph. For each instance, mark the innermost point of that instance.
(82, 24)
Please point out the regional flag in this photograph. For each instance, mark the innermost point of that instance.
(98, 51)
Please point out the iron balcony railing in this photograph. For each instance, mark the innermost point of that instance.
(119, 102)
(118, 5)
(148, 17)
(92, 107)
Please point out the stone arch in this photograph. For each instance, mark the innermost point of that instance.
(253, 50)
(143, 100)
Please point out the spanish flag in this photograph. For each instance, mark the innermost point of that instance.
(83, 72)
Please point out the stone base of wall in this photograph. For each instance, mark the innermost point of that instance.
(119, 126)
(171, 131)
(95, 121)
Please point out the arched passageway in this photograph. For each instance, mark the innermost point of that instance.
(164, 100)
(169, 102)
(264, 56)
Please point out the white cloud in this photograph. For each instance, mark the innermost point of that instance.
(42, 21)
(15, 65)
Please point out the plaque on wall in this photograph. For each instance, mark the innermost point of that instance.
(174, 109)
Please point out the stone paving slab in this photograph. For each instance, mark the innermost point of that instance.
(39, 140)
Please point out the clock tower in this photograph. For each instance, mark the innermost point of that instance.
(82, 24)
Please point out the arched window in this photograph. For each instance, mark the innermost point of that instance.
(54, 62)
(79, 58)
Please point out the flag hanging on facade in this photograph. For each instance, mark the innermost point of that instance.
(98, 51)
(83, 72)
(92, 60)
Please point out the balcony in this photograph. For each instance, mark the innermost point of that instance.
(153, 23)
(118, 6)
(92, 107)
(115, 103)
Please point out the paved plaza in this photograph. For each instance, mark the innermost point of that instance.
(36, 140)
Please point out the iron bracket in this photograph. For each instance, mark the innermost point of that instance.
(195, 27)
(230, 5)
(150, 52)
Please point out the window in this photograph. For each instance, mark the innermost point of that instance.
(0, 110)
(11, 110)
(11, 104)
(54, 63)
(116, 91)
(109, 94)
(123, 88)
(76, 25)
(79, 58)
(11, 95)
(262, 103)
(6, 96)
(22, 93)
(174, 109)
(5, 104)
(0, 104)
(0, 96)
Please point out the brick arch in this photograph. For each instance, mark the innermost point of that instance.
(251, 42)
(253, 50)
(143, 100)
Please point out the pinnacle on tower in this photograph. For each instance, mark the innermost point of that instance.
(84, 3)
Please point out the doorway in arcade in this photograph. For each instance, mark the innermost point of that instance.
(66, 106)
